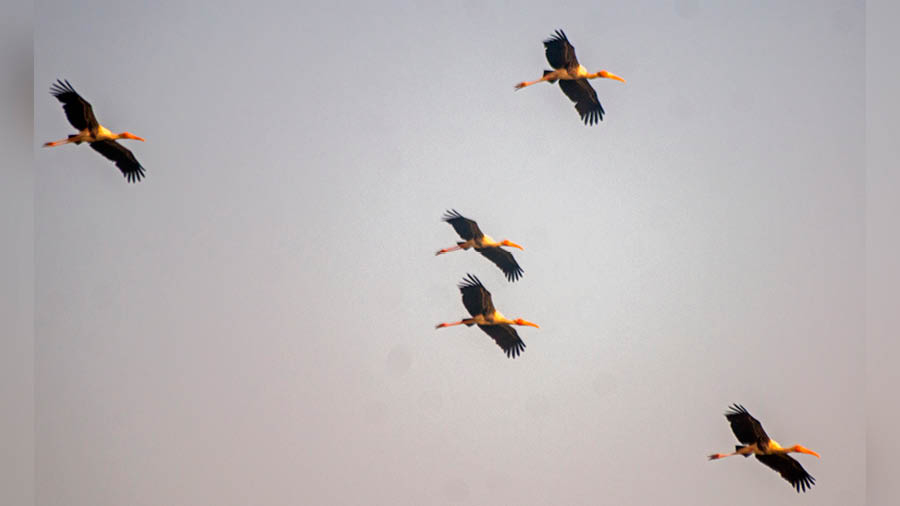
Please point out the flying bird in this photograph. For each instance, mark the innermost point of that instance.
(81, 116)
(484, 244)
(478, 303)
(749, 431)
(572, 77)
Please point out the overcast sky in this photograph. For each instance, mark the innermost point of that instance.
(253, 322)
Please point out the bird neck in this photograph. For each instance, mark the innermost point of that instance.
(774, 447)
(489, 241)
(499, 318)
(104, 133)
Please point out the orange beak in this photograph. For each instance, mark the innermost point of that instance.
(528, 323)
(129, 135)
(807, 451)
(512, 245)
(610, 75)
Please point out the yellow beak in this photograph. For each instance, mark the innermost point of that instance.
(610, 75)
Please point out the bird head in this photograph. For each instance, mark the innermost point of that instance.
(507, 242)
(525, 322)
(129, 135)
(803, 449)
(609, 75)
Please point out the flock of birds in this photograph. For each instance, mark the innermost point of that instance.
(573, 80)
(477, 301)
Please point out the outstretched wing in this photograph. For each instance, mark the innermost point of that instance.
(78, 110)
(466, 228)
(475, 296)
(125, 160)
(560, 53)
(506, 337)
(504, 260)
(587, 104)
(747, 429)
(789, 469)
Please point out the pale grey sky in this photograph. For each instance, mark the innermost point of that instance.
(253, 323)
(882, 245)
(16, 257)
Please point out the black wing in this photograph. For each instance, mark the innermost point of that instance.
(78, 110)
(560, 54)
(747, 429)
(506, 337)
(125, 161)
(587, 104)
(466, 228)
(475, 296)
(504, 260)
(789, 469)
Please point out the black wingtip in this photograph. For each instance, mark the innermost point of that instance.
(513, 276)
(515, 350)
(805, 483)
(61, 87)
(134, 177)
(470, 280)
(559, 34)
(593, 117)
(736, 409)
(452, 214)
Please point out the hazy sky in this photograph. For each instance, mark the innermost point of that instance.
(17, 468)
(882, 246)
(253, 322)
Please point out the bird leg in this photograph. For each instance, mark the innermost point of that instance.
(464, 321)
(528, 83)
(549, 75)
(58, 143)
(442, 325)
(741, 450)
(448, 250)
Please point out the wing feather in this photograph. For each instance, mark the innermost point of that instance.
(475, 296)
(560, 53)
(78, 111)
(506, 337)
(125, 160)
(789, 469)
(466, 228)
(504, 260)
(747, 429)
(587, 104)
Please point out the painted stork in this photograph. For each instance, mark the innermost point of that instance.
(484, 244)
(572, 77)
(478, 303)
(101, 139)
(749, 431)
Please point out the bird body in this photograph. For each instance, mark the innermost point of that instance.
(479, 243)
(81, 116)
(100, 133)
(484, 244)
(572, 77)
(477, 300)
(495, 318)
(756, 442)
(570, 73)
